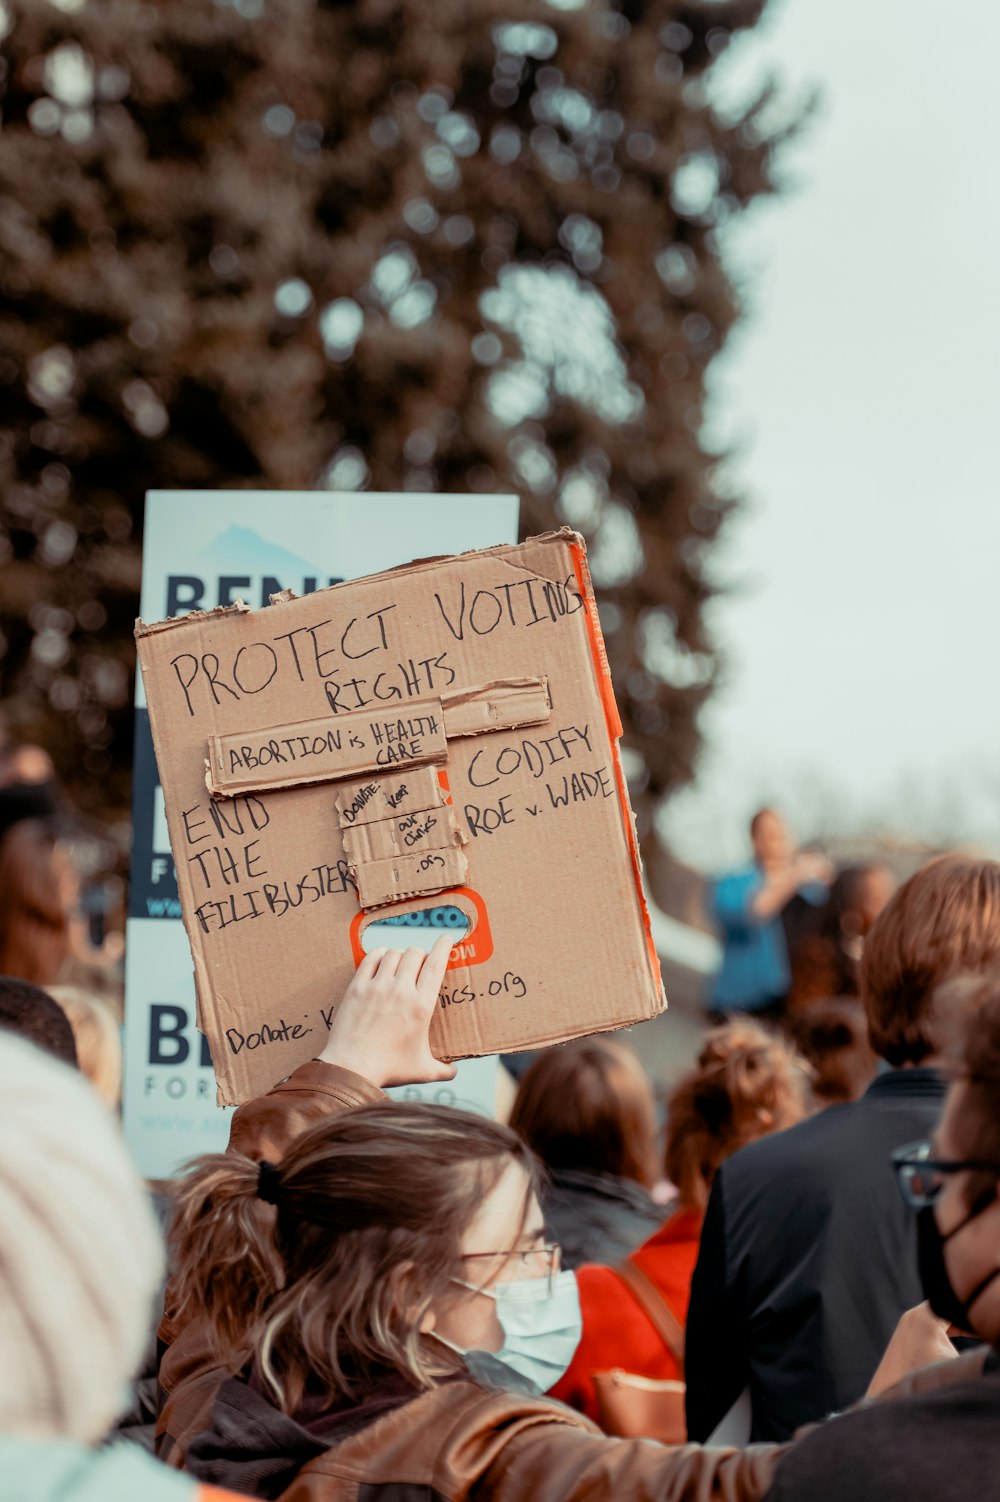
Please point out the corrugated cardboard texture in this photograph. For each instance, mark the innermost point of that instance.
(537, 835)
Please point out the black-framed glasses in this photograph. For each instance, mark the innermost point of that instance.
(535, 1262)
(922, 1177)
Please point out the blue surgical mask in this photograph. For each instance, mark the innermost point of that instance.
(542, 1325)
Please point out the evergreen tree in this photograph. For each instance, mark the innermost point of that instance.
(463, 245)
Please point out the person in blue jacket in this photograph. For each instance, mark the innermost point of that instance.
(748, 905)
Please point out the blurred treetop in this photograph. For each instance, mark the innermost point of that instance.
(464, 245)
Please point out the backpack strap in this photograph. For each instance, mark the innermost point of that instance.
(654, 1306)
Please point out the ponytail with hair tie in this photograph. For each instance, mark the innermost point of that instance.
(268, 1182)
(222, 1246)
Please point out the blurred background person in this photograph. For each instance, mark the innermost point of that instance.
(808, 1256)
(825, 951)
(38, 890)
(747, 1082)
(98, 1039)
(48, 932)
(748, 904)
(940, 1443)
(34, 1015)
(588, 1111)
(23, 764)
(832, 1036)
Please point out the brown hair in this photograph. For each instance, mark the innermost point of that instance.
(98, 1039)
(35, 877)
(748, 1081)
(589, 1105)
(977, 1067)
(33, 1014)
(334, 1284)
(945, 919)
(833, 1037)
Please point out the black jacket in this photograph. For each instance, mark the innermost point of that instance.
(597, 1217)
(807, 1260)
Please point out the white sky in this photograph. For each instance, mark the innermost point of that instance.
(861, 624)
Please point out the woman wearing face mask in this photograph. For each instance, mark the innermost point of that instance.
(380, 1309)
(943, 1441)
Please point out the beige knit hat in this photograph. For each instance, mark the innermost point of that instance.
(80, 1254)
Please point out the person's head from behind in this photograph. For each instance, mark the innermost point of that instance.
(833, 1037)
(953, 1182)
(858, 896)
(23, 767)
(80, 1258)
(33, 1014)
(38, 892)
(393, 1226)
(97, 1037)
(747, 1082)
(943, 921)
(771, 839)
(589, 1106)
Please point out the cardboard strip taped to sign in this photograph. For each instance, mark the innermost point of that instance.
(327, 750)
(404, 834)
(287, 756)
(375, 798)
(538, 842)
(420, 873)
(503, 705)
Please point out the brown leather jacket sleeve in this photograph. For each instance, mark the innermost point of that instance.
(263, 1128)
(552, 1463)
(462, 1443)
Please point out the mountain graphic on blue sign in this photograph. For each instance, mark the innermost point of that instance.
(240, 550)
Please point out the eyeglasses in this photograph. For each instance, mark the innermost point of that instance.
(922, 1178)
(536, 1262)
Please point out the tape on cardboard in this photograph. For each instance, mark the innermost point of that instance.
(506, 704)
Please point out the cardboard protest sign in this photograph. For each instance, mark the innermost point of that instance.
(444, 728)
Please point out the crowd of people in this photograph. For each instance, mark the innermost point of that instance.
(781, 1282)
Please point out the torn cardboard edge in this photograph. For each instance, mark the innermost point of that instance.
(152, 628)
(358, 742)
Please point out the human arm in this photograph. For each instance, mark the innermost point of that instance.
(554, 1463)
(808, 872)
(378, 1037)
(461, 1441)
(717, 1356)
(919, 1340)
(745, 899)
